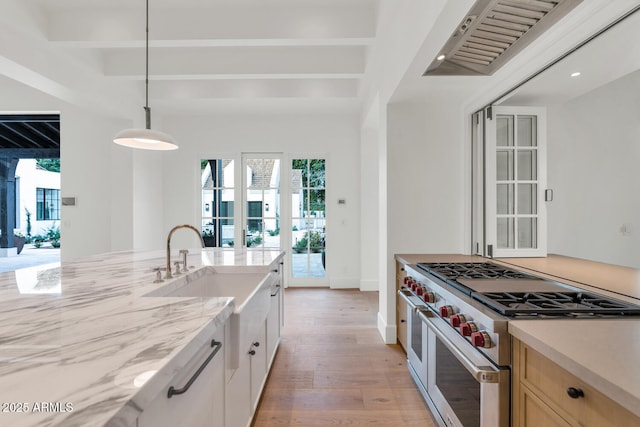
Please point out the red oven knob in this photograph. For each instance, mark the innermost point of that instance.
(481, 339)
(446, 311)
(428, 296)
(466, 329)
(457, 319)
(419, 290)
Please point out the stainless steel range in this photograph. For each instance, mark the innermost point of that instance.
(459, 349)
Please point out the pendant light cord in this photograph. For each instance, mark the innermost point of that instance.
(147, 110)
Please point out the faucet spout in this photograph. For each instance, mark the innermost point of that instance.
(195, 230)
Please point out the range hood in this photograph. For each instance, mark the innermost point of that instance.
(493, 32)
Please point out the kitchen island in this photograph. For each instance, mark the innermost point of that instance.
(82, 345)
(597, 356)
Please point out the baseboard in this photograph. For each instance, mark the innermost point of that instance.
(387, 331)
(369, 285)
(345, 283)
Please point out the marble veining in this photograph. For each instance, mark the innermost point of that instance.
(81, 345)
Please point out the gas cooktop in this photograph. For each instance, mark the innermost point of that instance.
(514, 293)
(577, 304)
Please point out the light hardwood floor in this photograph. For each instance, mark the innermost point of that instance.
(332, 368)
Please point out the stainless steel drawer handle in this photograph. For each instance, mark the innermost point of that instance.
(173, 391)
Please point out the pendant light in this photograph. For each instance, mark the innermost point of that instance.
(146, 139)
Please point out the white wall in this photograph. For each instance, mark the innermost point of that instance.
(294, 135)
(93, 169)
(596, 189)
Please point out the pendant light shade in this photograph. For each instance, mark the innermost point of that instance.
(146, 139)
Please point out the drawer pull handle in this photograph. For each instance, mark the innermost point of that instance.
(575, 393)
(173, 391)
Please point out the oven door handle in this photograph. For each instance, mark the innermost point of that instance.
(418, 309)
(482, 374)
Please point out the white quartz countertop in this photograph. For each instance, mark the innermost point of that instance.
(76, 339)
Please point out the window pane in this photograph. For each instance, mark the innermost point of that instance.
(317, 173)
(299, 173)
(505, 199)
(316, 202)
(527, 233)
(270, 206)
(527, 165)
(527, 202)
(527, 131)
(504, 165)
(506, 233)
(504, 129)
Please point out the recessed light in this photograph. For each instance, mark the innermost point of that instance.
(441, 57)
(576, 74)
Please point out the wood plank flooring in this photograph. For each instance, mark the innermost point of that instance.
(332, 368)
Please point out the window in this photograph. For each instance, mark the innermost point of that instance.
(308, 217)
(47, 204)
(217, 180)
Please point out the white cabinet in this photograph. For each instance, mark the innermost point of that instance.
(245, 384)
(201, 389)
(258, 356)
(275, 318)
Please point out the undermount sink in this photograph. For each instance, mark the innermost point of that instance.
(252, 293)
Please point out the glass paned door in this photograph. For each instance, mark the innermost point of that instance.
(515, 182)
(262, 201)
(308, 218)
(217, 177)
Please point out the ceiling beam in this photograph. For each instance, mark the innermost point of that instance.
(124, 26)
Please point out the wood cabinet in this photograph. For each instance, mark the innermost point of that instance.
(203, 403)
(401, 307)
(542, 395)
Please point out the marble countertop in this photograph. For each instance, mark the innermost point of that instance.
(76, 339)
(602, 352)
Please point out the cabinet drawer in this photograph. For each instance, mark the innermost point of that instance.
(550, 383)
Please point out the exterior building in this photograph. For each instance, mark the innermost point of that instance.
(38, 192)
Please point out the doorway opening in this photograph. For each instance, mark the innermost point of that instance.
(30, 202)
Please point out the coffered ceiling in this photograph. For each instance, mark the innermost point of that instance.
(203, 53)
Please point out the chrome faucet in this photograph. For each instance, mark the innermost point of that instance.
(169, 275)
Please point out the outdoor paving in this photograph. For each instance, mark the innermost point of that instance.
(30, 257)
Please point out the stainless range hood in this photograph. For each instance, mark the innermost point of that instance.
(494, 32)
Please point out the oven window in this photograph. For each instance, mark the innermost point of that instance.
(458, 386)
(416, 334)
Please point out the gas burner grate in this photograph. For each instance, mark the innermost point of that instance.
(554, 303)
(471, 270)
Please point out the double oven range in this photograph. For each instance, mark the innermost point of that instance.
(458, 345)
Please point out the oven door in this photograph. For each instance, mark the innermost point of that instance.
(416, 339)
(466, 389)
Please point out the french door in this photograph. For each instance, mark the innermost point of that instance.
(243, 207)
(241, 201)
